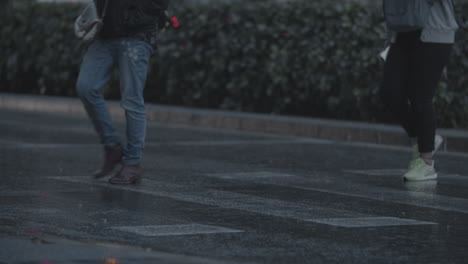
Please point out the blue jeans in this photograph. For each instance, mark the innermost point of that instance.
(132, 58)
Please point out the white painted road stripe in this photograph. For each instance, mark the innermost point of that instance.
(175, 230)
(327, 184)
(228, 200)
(378, 172)
(400, 172)
(249, 175)
(352, 189)
(369, 222)
(224, 199)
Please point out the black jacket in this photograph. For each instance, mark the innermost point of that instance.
(125, 18)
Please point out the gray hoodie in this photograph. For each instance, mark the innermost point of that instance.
(441, 24)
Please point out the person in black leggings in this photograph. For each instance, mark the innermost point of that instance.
(411, 76)
(413, 68)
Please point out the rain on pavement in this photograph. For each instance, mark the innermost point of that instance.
(217, 196)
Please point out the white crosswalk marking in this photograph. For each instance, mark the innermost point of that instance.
(224, 199)
(400, 172)
(231, 200)
(359, 190)
(175, 230)
(369, 222)
(249, 175)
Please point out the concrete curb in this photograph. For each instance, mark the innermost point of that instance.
(455, 140)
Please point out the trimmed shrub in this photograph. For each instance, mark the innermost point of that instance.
(38, 51)
(308, 58)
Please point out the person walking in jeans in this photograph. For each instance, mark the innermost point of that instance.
(413, 68)
(126, 40)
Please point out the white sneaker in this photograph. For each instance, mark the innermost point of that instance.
(420, 171)
(438, 139)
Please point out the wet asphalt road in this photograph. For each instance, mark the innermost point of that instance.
(213, 196)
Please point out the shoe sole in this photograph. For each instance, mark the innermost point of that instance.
(427, 178)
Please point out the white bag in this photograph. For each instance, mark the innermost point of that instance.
(89, 23)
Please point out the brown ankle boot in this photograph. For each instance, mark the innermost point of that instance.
(130, 173)
(112, 157)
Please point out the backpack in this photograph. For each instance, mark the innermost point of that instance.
(406, 15)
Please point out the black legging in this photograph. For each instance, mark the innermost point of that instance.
(411, 75)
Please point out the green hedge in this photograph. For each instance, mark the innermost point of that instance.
(309, 58)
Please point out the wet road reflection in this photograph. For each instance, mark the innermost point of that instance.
(210, 196)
